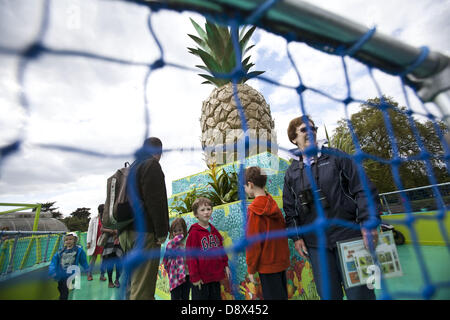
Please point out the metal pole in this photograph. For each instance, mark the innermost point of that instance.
(387, 204)
(36, 218)
(417, 188)
(321, 28)
(442, 101)
(13, 252)
(46, 248)
(34, 232)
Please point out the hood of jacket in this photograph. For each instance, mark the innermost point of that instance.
(265, 206)
(198, 227)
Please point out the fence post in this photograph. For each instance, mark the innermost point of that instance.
(387, 204)
(4, 251)
(38, 249)
(56, 247)
(46, 247)
(13, 252)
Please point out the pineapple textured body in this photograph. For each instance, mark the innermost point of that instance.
(221, 123)
(220, 119)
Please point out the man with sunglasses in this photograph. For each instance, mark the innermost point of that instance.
(337, 187)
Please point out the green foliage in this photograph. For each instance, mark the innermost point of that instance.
(76, 224)
(184, 204)
(225, 186)
(78, 221)
(342, 141)
(81, 213)
(215, 48)
(370, 129)
(224, 190)
(49, 207)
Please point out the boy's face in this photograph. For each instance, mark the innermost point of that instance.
(204, 212)
(249, 189)
(69, 241)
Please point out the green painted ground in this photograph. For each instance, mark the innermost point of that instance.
(409, 286)
(95, 290)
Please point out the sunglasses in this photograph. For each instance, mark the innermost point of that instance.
(305, 129)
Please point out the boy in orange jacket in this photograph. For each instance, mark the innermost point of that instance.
(270, 258)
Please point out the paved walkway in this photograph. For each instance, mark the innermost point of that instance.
(409, 286)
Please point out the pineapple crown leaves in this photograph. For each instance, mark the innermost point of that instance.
(215, 48)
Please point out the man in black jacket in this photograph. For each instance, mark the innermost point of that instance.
(336, 183)
(152, 192)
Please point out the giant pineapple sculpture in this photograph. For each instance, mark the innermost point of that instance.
(220, 121)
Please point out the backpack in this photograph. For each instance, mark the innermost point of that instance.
(118, 212)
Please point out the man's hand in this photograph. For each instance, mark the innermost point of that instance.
(198, 283)
(161, 240)
(228, 272)
(88, 245)
(374, 237)
(252, 278)
(301, 248)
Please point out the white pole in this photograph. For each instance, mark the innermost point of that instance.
(442, 101)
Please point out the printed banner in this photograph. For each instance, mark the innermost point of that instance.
(359, 267)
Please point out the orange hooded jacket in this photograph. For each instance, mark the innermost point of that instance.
(266, 256)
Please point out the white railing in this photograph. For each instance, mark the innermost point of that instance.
(421, 198)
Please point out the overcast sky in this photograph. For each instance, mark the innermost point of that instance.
(99, 106)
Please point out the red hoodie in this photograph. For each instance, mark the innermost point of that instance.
(203, 267)
(266, 256)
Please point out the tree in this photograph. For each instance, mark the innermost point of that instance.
(370, 129)
(341, 140)
(81, 213)
(48, 207)
(78, 220)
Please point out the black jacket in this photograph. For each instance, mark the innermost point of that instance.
(339, 181)
(153, 194)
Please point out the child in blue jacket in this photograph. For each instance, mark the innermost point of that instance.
(71, 255)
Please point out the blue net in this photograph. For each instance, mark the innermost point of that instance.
(38, 49)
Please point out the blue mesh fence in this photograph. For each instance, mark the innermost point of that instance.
(38, 49)
(21, 252)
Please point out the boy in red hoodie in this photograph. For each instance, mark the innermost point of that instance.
(205, 271)
(270, 258)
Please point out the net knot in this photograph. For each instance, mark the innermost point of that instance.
(347, 100)
(424, 51)
(396, 161)
(157, 64)
(10, 148)
(301, 88)
(33, 51)
(371, 223)
(428, 291)
(321, 223)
